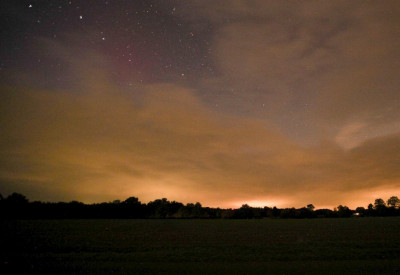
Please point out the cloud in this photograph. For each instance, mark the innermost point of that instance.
(354, 133)
(318, 64)
(98, 140)
(349, 135)
(162, 140)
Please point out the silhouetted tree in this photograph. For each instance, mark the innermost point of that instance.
(324, 213)
(306, 212)
(258, 212)
(244, 212)
(360, 210)
(289, 213)
(393, 202)
(227, 214)
(310, 207)
(16, 198)
(159, 208)
(266, 212)
(197, 210)
(132, 201)
(370, 210)
(380, 207)
(18, 206)
(343, 211)
(378, 203)
(15, 206)
(132, 208)
(174, 208)
(276, 212)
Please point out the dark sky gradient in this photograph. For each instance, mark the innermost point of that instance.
(224, 102)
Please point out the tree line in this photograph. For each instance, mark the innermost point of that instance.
(18, 206)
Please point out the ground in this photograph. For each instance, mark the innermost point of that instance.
(352, 246)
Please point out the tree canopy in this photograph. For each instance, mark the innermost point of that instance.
(18, 206)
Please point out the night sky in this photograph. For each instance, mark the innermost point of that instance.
(270, 103)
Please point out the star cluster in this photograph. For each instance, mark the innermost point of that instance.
(138, 37)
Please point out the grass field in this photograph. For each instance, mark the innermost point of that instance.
(316, 246)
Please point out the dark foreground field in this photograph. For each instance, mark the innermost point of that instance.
(353, 246)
